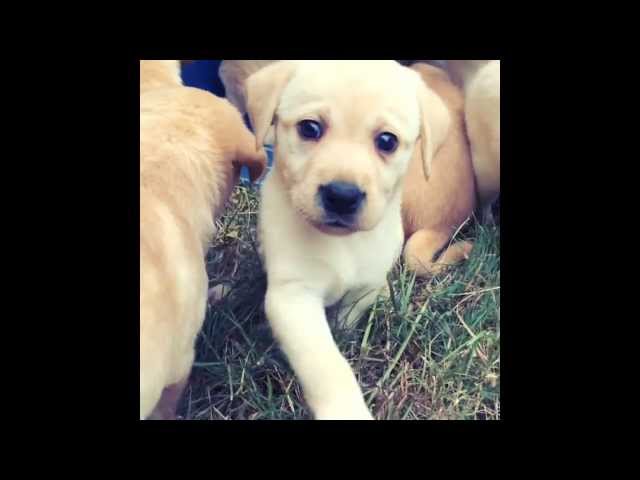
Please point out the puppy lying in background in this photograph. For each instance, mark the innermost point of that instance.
(330, 217)
(433, 210)
(192, 146)
(481, 82)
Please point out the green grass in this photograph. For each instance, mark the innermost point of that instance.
(431, 351)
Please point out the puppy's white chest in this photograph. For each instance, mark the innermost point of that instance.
(294, 251)
(367, 259)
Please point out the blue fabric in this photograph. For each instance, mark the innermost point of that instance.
(269, 150)
(203, 74)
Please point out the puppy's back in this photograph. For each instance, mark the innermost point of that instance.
(190, 143)
(483, 93)
(483, 126)
(448, 197)
(158, 74)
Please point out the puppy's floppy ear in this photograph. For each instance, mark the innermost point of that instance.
(263, 90)
(435, 122)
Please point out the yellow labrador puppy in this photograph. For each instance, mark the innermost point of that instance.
(481, 82)
(192, 145)
(330, 218)
(433, 210)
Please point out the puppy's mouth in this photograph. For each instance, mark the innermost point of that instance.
(337, 226)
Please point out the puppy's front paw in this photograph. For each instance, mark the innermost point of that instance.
(355, 410)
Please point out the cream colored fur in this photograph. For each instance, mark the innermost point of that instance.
(192, 145)
(310, 265)
(433, 210)
(481, 82)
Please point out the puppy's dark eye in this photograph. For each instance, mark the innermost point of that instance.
(310, 129)
(386, 142)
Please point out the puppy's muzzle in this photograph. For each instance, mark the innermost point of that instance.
(341, 202)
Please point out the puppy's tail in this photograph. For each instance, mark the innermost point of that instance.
(158, 74)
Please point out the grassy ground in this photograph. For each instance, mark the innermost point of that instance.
(432, 351)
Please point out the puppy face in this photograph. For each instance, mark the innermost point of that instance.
(345, 133)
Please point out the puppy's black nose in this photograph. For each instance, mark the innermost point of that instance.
(341, 198)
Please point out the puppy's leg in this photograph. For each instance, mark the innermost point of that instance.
(423, 246)
(168, 404)
(356, 302)
(299, 323)
(150, 395)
